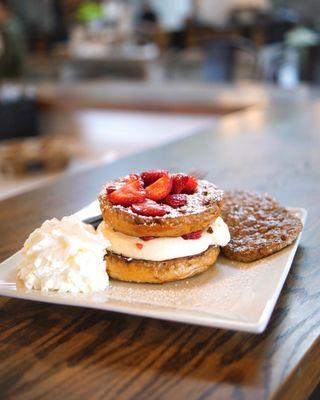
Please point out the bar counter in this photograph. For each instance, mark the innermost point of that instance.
(272, 144)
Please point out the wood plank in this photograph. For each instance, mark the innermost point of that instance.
(173, 98)
(177, 108)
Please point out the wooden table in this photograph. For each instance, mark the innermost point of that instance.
(51, 351)
(190, 98)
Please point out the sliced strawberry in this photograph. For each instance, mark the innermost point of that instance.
(132, 178)
(179, 181)
(139, 246)
(147, 238)
(151, 176)
(192, 235)
(191, 185)
(111, 188)
(115, 185)
(159, 189)
(175, 200)
(119, 183)
(149, 208)
(128, 194)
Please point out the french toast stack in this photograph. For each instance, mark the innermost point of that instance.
(161, 226)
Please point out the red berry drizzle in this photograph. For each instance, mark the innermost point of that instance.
(192, 235)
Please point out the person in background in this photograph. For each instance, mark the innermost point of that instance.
(172, 18)
(147, 23)
(147, 14)
(12, 43)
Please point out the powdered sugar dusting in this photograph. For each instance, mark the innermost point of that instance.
(226, 290)
(206, 196)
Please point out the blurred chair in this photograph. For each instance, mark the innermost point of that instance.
(269, 60)
(18, 112)
(222, 57)
(281, 64)
(310, 65)
(280, 22)
(288, 65)
(183, 65)
(263, 26)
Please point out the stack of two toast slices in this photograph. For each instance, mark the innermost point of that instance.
(161, 227)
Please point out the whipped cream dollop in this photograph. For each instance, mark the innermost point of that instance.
(165, 248)
(64, 255)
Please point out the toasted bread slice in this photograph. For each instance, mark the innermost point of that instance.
(143, 271)
(201, 209)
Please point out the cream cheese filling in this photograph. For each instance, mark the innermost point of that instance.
(165, 248)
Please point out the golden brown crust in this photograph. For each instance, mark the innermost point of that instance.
(201, 210)
(138, 225)
(143, 271)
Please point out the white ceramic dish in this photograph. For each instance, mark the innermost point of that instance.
(231, 295)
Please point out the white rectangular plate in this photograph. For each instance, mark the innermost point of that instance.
(230, 295)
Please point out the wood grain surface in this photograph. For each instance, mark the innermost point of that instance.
(180, 98)
(59, 352)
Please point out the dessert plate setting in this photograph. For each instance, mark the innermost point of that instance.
(231, 295)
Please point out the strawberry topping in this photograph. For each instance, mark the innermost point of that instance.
(128, 194)
(151, 176)
(132, 178)
(179, 181)
(139, 246)
(192, 235)
(111, 188)
(175, 200)
(159, 189)
(119, 183)
(149, 208)
(154, 185)
(147, 238)
(191, 185)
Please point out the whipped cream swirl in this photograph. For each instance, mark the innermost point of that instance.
(64, 255)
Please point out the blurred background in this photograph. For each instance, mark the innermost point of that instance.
(84, 82)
